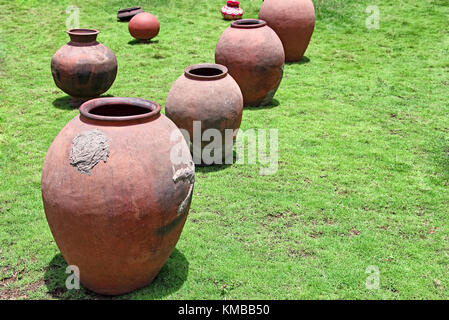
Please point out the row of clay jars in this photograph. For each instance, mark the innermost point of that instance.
(120, 245)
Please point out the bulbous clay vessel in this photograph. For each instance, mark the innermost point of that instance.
(144, 26)
(83, 68)
(254, 56)
(293, 21)
(206, 93)
(115, 198)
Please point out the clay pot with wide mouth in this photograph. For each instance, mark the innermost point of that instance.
(207, 102)
(83, 68)
(254, 56)
(115, 195)
(127, 13)
(293, 21)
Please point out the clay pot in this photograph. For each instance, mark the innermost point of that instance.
(127, 13)
(208, 94)
(254, 56)
(232, 10)
(83, 68)
(293, 21)
(115, 200)
(144, 26)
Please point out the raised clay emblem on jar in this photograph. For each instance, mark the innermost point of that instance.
(88, 148)
(186, 174)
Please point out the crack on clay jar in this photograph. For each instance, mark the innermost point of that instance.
(88, 148)
(186, 174)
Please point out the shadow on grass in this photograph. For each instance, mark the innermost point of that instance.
(170, 279)
(274, 103)
(215, 167)
(304, 60)
(63, 102)
(137, 42)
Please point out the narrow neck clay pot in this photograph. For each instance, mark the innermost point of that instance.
(83, 68)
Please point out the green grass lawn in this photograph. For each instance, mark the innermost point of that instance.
(363, 172)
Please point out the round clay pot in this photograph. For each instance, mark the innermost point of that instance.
(208, 94)
(115, 199)
(83, 68)
(144, 26)
(293, 21)
(254, 56)
(232, 10)
(127, 13)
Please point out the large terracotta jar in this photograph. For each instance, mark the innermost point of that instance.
(207, 103)
(83, 68)
(293, 21)
(253, 53)
(116, 189)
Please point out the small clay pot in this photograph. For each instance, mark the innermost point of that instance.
(232, 10)
(293, 21)
(83, 68)
(144, 26)
(254, 56)
(206, 93)
(115, 197)
(127, 13)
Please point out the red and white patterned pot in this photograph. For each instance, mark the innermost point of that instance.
(232, 11)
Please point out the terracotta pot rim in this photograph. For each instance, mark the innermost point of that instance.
(248, 23)
(153, 108)
(217, 71)
(83, 32)
(129, 9)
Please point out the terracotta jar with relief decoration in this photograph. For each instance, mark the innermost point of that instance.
(117, 183)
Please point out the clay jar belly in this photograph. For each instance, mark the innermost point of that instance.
(293, 21)
(115, 201)
(83, 68)
(207, 103)
(255, 57)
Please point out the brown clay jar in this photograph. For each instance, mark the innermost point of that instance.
(253, 53)
(293, 21)
(115, 198)
(83, 68)
(207, 94)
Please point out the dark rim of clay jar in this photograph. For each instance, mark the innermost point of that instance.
(119, 109)
(248, 23)
(206, 71)
(83, 35)
(129, 9)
